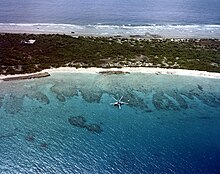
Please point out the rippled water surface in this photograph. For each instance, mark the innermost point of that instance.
(114, 12)
(65, 124)
(163, 18)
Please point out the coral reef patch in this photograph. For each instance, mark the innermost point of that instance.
(30, 137)
(80, 121)
(94, 128)
(1, 101)
(178, 98)
(113, 72)
(44, 145)
(91, 96)
(39, 96)
(161, 101)
(67, 90)
(200, 87)
(13, 104)
(61, 98)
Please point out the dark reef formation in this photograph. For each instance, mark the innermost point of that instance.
(12, 101)
(135, 91)
(113, 72)
(200, 87)
(44, 145)
(94, 128)
(67, 90)
(13, 104)
(61, 98)
(30, 137)
(1, 101)
(39, 96)
(161, 101)
(178, 98)
(91, 96)
(80, 121)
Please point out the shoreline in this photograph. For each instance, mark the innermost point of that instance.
(110, 71)
(168, 31)
(146, 70)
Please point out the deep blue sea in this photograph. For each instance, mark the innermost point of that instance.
(111, 12)
(65, 124)
(168, 18)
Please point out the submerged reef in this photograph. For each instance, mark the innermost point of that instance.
(67, 90)
(13, 95)
(80, 121)
(91, 96)
(178, 98)
(61, 98)
(44, 145)
(94, 128)
(39, 96)
(1, 101)
(200, 87)
(113, 72)
(30, 137)
(161, 101)
(13, 103)
(141, 91)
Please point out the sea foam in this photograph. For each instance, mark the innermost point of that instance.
(151, 30)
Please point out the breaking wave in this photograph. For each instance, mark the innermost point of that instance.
(169, 30)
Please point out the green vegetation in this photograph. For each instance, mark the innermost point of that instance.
(62, 50)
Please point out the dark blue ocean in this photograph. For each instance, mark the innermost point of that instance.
(173, 18)
(111, 12)
(66, 124)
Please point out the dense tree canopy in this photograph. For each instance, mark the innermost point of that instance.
(62, 50)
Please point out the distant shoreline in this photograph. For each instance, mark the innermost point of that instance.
(110, 71)
(167, 31)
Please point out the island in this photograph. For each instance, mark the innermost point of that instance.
(56, 50)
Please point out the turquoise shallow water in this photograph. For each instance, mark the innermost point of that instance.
(171, 124)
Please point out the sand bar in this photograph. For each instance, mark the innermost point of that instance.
(93, 70)
(24, 76)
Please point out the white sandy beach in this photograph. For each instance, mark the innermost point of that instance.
(157, 71)
(138, 70)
